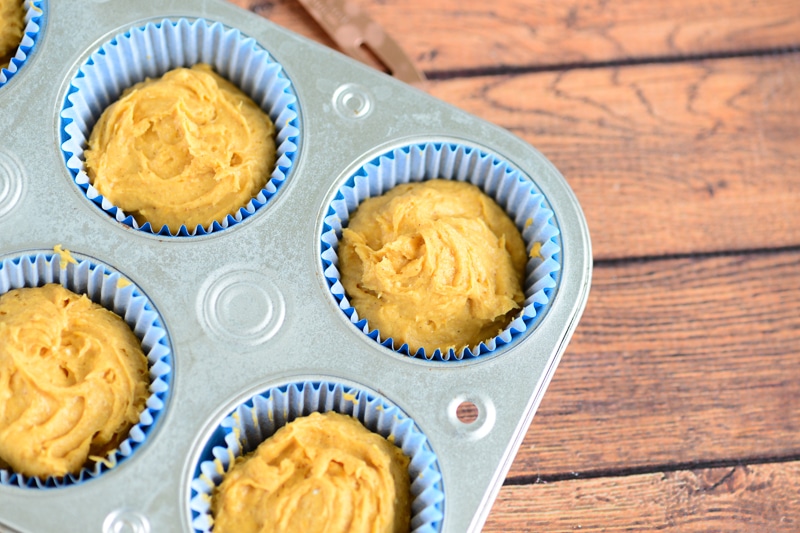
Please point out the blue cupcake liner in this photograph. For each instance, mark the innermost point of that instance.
(513, 191)
(150, 52)
(34, 14)
(258, 418)
(116, 293)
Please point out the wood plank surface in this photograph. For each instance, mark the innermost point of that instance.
(679, 131)
(742, 499)
(697, 157)
(675, 150)
(453, 35)
(676, 361)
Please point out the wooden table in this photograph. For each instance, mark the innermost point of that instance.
(677, 123)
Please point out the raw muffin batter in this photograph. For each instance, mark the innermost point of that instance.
(185, 149)
(324, 472)
(12, 24)
(436, 264)
(73, 380)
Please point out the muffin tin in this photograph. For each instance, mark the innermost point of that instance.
(250, 308)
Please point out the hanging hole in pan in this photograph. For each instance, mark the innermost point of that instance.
(467, 412)
(472, 415)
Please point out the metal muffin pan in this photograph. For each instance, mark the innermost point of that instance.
(249, 308)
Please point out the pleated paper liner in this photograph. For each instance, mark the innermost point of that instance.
(151, 51)
(258, 418)
(513, 191)
(112, 290)
(31, 34)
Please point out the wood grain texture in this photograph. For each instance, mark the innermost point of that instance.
(689, 174)
(453, 35)
(698, 157)
(676, 361)
(742, 499)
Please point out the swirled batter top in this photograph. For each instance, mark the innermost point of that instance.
(324, 472)
(12, 24)
(73, 380)
(187, 149)
(436, 264)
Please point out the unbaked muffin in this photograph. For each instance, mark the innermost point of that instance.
(322, 472)
(73, 380)
(435, 264)
(12, 24)
(186, 149)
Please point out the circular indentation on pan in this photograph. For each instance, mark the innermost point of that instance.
(111, 289)
(126, 521)
(472, 416)
(241, 306)
(352, 101)
(12, 180)
(513, 191)
(34, 19)
(252, 421)
(151, 51)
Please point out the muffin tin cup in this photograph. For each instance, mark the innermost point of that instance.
(511, 189)
(149, 52)
(255, 420)
(34, 14)
(116, 293)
